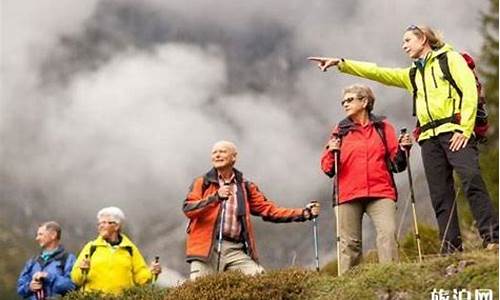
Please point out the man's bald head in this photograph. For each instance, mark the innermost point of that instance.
(227, 145)
(224, 154)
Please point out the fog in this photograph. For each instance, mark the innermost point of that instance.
(119, 102)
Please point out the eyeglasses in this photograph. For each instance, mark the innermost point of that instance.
(107, 223)
(349, 100)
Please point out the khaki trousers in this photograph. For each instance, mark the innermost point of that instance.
(383, 214)
(232, 258)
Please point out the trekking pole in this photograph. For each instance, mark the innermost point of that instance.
(155, 276)
(221, 229)
(316, 239)
(85, 273)
(336, 154)
(449, 221)
(412, 194)
(40, 294)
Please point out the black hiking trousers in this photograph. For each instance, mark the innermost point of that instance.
(439, 164)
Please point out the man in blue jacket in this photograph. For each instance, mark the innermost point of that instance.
(48, 274)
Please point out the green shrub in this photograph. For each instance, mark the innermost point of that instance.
(405, 280)
(136, 293)
(285, 284)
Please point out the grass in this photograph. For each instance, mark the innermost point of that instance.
(414, 280)
(408, 280)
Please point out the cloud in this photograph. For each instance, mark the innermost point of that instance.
(119, 102)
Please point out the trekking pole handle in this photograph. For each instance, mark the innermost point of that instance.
(334, 136)
(315, 202)
(85, 271)
(155, 276)
(404, 131)
(226, 183)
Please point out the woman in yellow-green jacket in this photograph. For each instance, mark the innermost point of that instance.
(446, 117)
(111, 263)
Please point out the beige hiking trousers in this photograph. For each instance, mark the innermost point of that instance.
(382, 212)
(232, 258)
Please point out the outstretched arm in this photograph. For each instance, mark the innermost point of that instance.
(398, 77)
(324, 62)
(269, 211)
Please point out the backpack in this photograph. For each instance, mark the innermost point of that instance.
(481, 124)
(61, 258)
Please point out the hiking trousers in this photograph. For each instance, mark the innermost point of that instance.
(439, 164)
(382, 212)
(232, 258)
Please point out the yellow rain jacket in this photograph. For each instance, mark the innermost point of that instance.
(112, 268)
(436, 98)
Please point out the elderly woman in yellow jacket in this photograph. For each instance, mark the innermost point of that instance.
(446, 113)
(111, 263)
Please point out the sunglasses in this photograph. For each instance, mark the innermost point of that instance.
(349, 100)
(413, 27)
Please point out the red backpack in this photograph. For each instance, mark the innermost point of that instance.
(481, 124)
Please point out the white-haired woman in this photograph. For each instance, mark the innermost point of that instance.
(111, 263)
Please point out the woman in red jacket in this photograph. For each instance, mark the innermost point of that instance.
(369, 154)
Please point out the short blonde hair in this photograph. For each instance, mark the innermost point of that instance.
(362, 91)
(434, 37)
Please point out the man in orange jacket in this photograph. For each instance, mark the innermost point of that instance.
(224, 193)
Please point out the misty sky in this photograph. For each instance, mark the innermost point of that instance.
(119, 102)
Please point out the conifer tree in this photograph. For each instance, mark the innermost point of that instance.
(488, 67)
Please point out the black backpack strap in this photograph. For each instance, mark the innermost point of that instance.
(92, 250)
(379, 127)
(62, 257)
(129, 249)
(413, 74)
(94, 247)
(445, 68)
